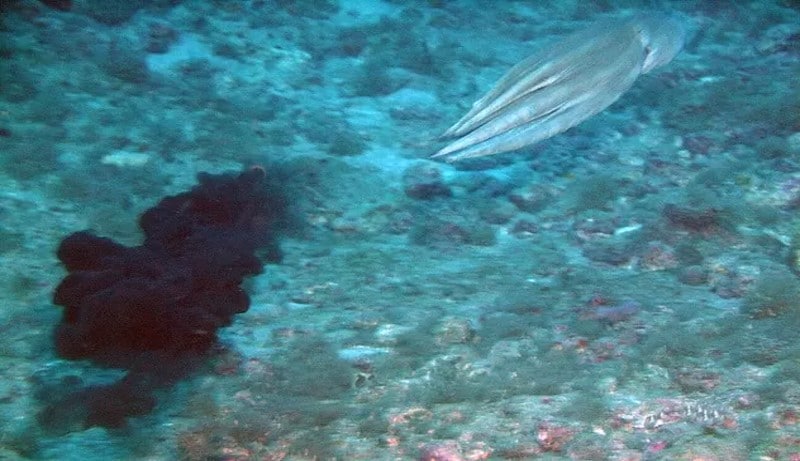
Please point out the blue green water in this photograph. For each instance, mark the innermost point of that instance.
(625, 290)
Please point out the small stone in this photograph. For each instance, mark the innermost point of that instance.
(442, 452)
(693, 275)
(694, 220)
(658, 257)
(615, 253)
(531, 199)
(455, 331)
(524, 228)
(424, 181)
(698, 144)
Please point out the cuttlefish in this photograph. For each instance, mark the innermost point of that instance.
(564, 84)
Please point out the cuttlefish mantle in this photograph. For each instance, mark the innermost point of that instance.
(564, 84)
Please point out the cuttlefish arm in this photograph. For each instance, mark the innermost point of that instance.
(560, 87)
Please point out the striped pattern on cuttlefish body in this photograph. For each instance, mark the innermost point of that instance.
(565, 84)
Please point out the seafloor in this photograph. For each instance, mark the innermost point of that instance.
(627, 290)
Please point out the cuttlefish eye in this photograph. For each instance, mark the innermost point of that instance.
(662, 38)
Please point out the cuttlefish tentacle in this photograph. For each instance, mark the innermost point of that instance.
(557, 89)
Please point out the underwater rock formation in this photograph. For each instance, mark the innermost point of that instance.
(61, 5)
(154, 309)
(565, 84)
